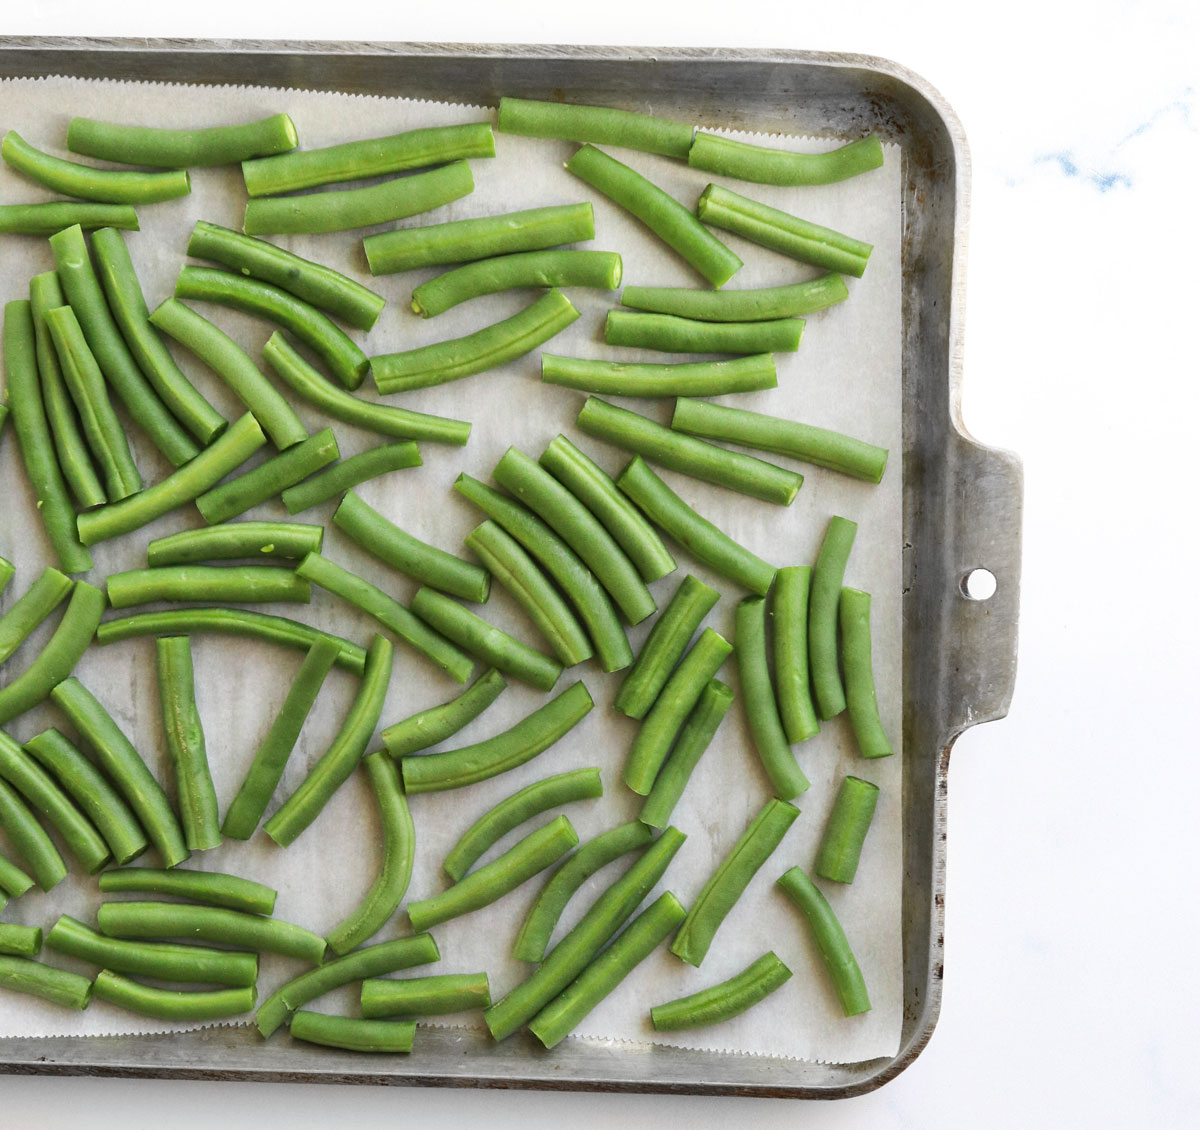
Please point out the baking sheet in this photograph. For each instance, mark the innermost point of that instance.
(846, 376)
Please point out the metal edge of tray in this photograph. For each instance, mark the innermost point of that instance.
(962, 510)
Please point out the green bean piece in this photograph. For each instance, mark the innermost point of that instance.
(341, 477)
(248, 806)
(664, 646)
(223, 455)
(211, 887)
(161, 960)
(107, 186)
(670, 334)
(229, 622)
(762, 710)
(344, 752)
(660, 212)
(782, 232)
(688, 378)
(7, 568)
(125, 767)
(425, 996)
(824, 595)
(854, 616)
(30, 840)
(831, 941)
(371, 531)
(478, 352)
(494, 880)
(694, 738)
(181, 148)
(574, 953)
(46, 219)
(847, 827)
(24, 975)
(385, 419)
(233, 365)
(601, 125)
(399, 845)
(20, 941)
(763, 165)
(671, 709)
(541, 796)
(315, 283)
(238, 583)
(40, 791)
(172, 1004)
(13, 881)
(289, 540)
(724, 1001)
(353, 1034)
(519, 574)
(759, 304)
(358, 160)
(535, 733)
(596, 490)
(31, 608)
(793, 694)
(430, 727)
(33, 436)
(702, 539)
(348, 208)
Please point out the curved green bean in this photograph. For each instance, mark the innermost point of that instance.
(20, 941)
(31, 608)
(854, 616)
(670, 334)
(212, 887)
(688, 378)
(847, 827)
(353, 1034)
(349, 473)
(245, 584)
(724, 1001)
(824, 595)
(429, 727)
(172, 1004)
(599, 124)
(181, 148)
(13, 881)
(30, 840)
(759, 304)
(24, 975)
(425, 996)
(46, 219)
(793, 694)
(289, 540)
(763, 165)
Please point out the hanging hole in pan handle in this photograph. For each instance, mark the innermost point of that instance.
(978, 584)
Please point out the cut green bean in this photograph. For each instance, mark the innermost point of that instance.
(46, 219)
(535, 733)
(763, 165)
(399, 845)
(348, 208)
(670, 334)
(7, 568)
(30, 840)
(353, 1034)
(31, 608)
(248, 806)
(724, 1001)
(172, 1004)
(754, 305)
(660, 212)
(854, 616)
(541, 796)
(341, 477)
(601, 125)
(793, 694)
(703, 540)
(181, 148)
(13, 881)
(211, 887)
(20, 941)
(289, 540)
(688, 378)
(24, 975)
(824, 596)
(847, 827)
(430, 727)
(831, 941)
(245, 584)
(425, 996)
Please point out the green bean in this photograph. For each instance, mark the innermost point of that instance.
(600, 270)
(370, 530)
(20, 941)
(123, 765)
(289, 540)
(831, 941)
(755, 305)
(458, 241)
(31, 608)
(716, 154)
(342, 476)
(724, 1001)
(181, 148)
(248, 806)
(212, 887)
(373, 961)
(519, 574)
(599, 124)
(46, 219)
(232, 364)
(357, 160)
(824, 596)
(7, 568)
(83, 292)
(33, 436)
(541, 796)
(348, 208)
(429, 727)
(24, 975)
(350, 1033)
(664, 646)
(782, 232)
(670, 334)
(573, 954)
(762, 711)
(108, 186)
(487, 884)
(671, 709)
(660, 212)
(385, 419)
(478, 352)
(239, 583)
(689, 378)
(693, 740)
(344, 752)
(854, 615)
(793, 695)
(171, 1004)
(317, 284)
(636, 942)
(39, 789)
(535, 733)
(13, 881)
(399, 844)
(706, 543)
(425, 996)
(596, 490)
(161, 960)
(846, 829)
(30, 840)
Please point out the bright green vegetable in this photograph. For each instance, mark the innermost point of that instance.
(171, 1004)
(669, 334)
(689, 378)
(724, 1001)
(353, 1034)
(30, 840)
(793, 695)
(854, 616)
(342, 476)
(181, 148)
(824, 595)
(429, 727)
(46, 219)
(754, 305)
(24, 975)
(599, 124)
(425, 996)
(7, 568)
(237, 583)
(20, 941)
(212, 887)
(847, 827)
(728, 158)
(289, 540)
(31, 608)
(13, 881)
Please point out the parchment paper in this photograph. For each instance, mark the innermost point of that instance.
(846, 376)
